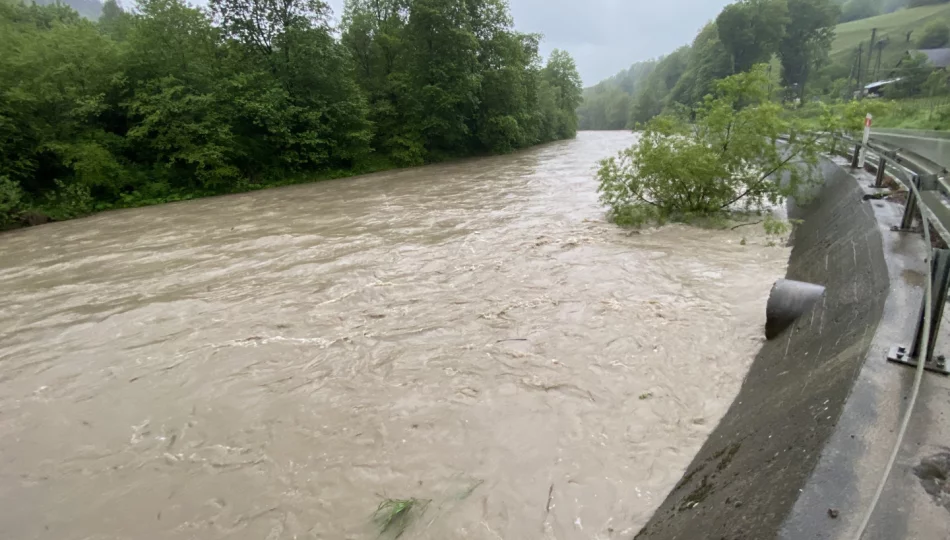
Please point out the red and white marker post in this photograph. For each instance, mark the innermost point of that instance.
(864, 140)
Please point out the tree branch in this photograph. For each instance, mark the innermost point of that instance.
(762, 178)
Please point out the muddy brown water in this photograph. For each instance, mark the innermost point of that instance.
(275, 364)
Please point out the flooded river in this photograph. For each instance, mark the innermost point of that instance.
(276, 364)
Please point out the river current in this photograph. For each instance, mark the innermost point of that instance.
(276, 364)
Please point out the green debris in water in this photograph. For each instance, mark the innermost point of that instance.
(395, 515)
(471, 489)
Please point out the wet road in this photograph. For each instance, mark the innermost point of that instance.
(275, 364)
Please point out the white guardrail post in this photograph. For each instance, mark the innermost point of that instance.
(864, 140)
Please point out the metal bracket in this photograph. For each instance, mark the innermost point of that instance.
(910, 208)
(940, 285)
(856, 157)
(899, 354)
(928, 182)
(879, 174)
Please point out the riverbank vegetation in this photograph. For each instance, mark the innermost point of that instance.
(812, 57)
(728, 125)
(741, 152)
(169, 102)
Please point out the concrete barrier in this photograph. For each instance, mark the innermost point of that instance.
(933, 145)
(749, 474)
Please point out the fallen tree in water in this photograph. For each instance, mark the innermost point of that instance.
(740, 153)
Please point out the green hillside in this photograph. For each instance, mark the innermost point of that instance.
(893, 26)
(682, 78)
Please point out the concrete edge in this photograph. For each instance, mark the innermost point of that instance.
(748, 476)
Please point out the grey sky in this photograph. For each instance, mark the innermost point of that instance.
(606, 36)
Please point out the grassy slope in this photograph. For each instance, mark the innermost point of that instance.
(893, 25)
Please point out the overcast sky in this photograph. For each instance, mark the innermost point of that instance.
(606, 36)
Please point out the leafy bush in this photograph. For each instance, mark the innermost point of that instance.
(68, 201)
(731, 156)
(11, 201)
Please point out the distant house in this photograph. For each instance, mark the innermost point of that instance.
(879, 88)
(936, 58)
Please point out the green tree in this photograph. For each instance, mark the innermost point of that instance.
(114, 21)
(561, 75)
(936, 35)
(915, 70)
(179, 119)
(730, 156)
(609, 104)
(808, 37)
(443, 62)
(172, 101)
(90, 9)
(854, 10)
(751, 30)
(322, 122)
(56, 76)
(374, 32)
(11, 201)
(709, 61)
(654, 96)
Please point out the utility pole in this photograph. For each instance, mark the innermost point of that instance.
(852, 76)
(871, 48)
(880, 51)
(860, 78)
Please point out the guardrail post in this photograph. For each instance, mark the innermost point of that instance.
(928, 182)
(940, 285)
(910, 209)
(856, 157)
(881, 167)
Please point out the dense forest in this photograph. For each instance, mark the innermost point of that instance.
(793, 36)
(168, 102)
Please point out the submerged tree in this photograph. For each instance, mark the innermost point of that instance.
(730, 158)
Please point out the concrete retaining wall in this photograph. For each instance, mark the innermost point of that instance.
(748, 475)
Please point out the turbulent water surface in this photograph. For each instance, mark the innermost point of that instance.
(276, 364)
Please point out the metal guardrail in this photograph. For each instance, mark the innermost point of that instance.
(929, 198)
(912, 169)
(928, 194)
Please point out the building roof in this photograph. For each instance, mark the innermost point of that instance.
(879, 84)
(936, 57)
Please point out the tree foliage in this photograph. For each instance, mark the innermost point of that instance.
(807, 40)
(915, 71)
(751, 30)
(608, 105)
(853, 10)
(170, 101)
(798, 32)
(730, 157)
(936, 35)
(90, 9)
